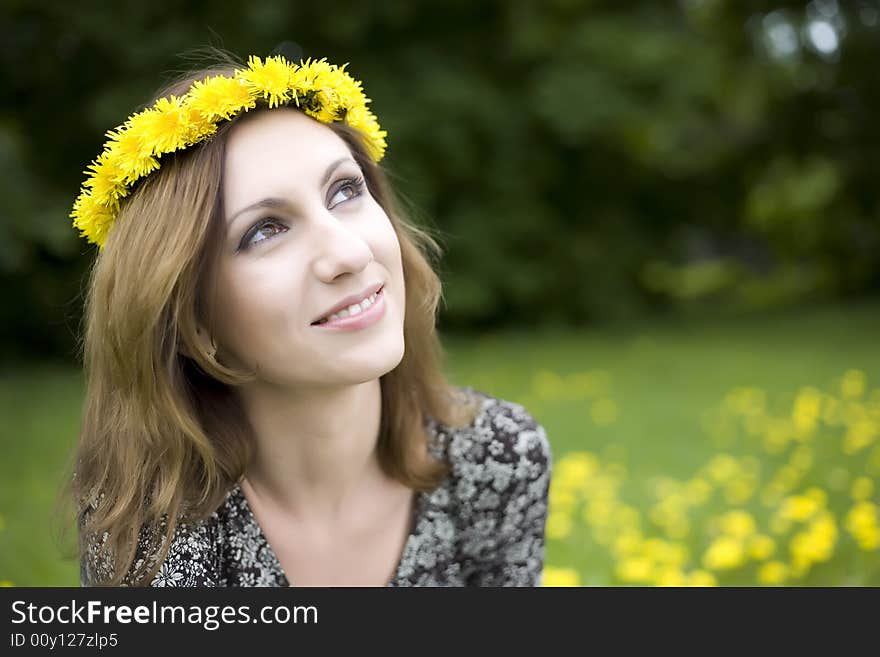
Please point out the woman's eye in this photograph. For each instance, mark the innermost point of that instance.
(351, 188)
(265, 230)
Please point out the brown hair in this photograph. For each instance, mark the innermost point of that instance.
(163, 435)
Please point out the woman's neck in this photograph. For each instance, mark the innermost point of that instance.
(315, 451)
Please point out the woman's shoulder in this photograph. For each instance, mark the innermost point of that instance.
(504, 448)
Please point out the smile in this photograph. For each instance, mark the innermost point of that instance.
(358, 315)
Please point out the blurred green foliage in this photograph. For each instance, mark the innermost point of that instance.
(581, 159)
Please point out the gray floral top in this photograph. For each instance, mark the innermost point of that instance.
(483, 526)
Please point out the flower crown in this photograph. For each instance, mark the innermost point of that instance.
(324, 91)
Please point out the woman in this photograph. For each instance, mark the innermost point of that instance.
(265, 401)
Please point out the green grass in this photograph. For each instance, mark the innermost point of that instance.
(661, 375)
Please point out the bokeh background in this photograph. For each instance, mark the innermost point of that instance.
(661, 225)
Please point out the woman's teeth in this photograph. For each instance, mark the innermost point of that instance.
(354, 309)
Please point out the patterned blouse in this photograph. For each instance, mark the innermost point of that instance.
(483, 526)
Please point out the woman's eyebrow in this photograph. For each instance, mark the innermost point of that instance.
(273, 202)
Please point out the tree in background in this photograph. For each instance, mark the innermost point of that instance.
(582, 160)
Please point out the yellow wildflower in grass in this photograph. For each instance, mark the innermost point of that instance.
(779, 432)
(627, 543)
(559, 525)
(697, 491)
(772, 572)
(663, 487)
(725, 553)
(576, 467)
(562, 498)
(806, 411)
(678, 527)
(598, 511)
(738, 524)
(799, 508)
(722, 468)
(852, 386)
(817, 494)
(664, 553)
(740, 490)
(603, 412)
(670, 577)
(863, 523)
(787, 478)
(553, 576)
(862, 489)
(635, 570)
(701, 578)
(802, 458)
(760, 547)
(859, 435)
(813, 544)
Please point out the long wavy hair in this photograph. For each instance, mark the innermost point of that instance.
(164, 436)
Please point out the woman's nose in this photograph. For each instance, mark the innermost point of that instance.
(339, 247)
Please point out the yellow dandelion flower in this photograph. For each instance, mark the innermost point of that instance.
(561, 497)
(772, 572)
(724, 553)
(863, 523)
(738, 524)
(799, 508)
(861, 489)
(577, 466)
(166, 126)
(740, 490)
(761, 547)
(269, 80)
(701, 578)
(552, 576)
(807, 410)
(671, 577)
(363, 120)
(802, 458)
(221, 97)
(627, 543)
(635, 570)
(678, 527)
(93, 217)
(859, 435)
(722, 468)
(558, 525)
(106, 178)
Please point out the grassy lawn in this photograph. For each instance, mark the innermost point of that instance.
(637, 415)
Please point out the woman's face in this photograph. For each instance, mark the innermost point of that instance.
(302, 234)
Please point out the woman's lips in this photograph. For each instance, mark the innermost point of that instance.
(363, 319)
